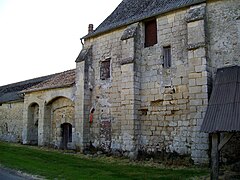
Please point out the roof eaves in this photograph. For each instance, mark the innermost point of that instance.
(12, 101)
(47, 88)
(12, 97)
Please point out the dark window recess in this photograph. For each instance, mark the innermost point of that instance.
(105, 70)
(167, 59)
(150, 33)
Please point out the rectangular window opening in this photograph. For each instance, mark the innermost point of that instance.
(167, 59)
(105, 69)
(150, 33)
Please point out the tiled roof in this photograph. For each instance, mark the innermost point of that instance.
(63, 79)
(11, 92)
(223, 112)
(130, 11)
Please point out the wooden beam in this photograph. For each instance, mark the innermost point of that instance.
(215, 157)
(226, 138)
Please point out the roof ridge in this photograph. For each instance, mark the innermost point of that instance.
(62, 79)
(10, 92)
(28, 80)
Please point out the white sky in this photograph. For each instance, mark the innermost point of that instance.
(42, 37)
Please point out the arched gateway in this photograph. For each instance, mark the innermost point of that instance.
(60, 122)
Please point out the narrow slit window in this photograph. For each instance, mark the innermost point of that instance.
(167, 59)
(105, 70)
(150, 33)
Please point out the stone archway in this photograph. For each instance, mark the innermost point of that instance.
(32, 125)
(60, 119)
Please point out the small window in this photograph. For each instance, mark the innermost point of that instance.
(167, 57)
(150, 33)
(105, 70)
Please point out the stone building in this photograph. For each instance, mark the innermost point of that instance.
(143, 80)
(11, 109)
(39, 111)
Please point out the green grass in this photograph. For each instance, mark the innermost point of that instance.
(52, 164)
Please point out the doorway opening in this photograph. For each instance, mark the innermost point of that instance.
(66, 129)
(33, 117)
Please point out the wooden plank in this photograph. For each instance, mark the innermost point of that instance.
(226, 138)
(215, 157)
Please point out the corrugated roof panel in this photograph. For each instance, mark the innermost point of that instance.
(238, 75)
(237, 94)
(227, 75)
(224, 93)
(223, 112)
(210, 114)
(226, 117)
(236, 123)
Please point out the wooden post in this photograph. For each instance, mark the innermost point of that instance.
(215, 157)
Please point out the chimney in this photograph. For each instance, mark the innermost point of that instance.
(90, 28)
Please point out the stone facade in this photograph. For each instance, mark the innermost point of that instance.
(223, 33)
(11, 115)
(44, 114)
(150, 108)
(126, 99)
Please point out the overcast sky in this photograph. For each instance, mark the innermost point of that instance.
(42, 37)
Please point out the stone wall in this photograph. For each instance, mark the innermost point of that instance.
(174, 100)
(143, 106)
(11, 124)
(165, 124)
(223, 26)
(104, 95)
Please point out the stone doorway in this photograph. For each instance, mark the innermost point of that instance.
(66, 129)
(33, 117)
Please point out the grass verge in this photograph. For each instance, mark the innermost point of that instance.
(53, 164)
